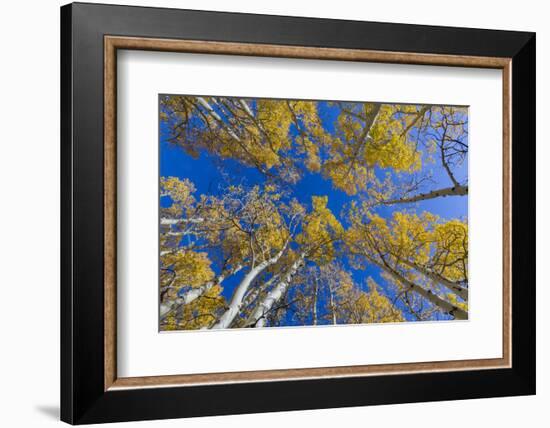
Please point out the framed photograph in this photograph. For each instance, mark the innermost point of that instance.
(265, 213)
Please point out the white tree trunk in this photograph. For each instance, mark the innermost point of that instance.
(314, 309)
(429, 273)
(257, 318)
(246, 107)
(217, 118)
(194, 294)
(332, 305)
(448, 191)
(238, 295)
(427, 294)
(171, 221)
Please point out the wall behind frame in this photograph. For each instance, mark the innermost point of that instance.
(29, 219)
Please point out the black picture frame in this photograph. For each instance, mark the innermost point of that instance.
(83, 398)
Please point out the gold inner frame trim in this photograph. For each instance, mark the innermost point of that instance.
(113, 43)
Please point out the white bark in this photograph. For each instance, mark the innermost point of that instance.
(208, 107)
(332, 305)
(217, 117)
(257, 318)
(182, 233)
(172, 221)
(238, 295)
(253, 295)
(429, 273)
(314, 309)
(447, 191)
(246, 107)
(427, 294)
(194, 293)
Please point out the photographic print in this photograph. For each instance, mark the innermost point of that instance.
(288, 212)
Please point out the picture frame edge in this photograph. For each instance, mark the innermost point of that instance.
(83, 401)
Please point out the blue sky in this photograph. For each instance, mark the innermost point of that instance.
(210, 174)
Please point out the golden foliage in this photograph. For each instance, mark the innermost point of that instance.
(192, 268)
(320, 230)
(271, 133)
(362, 307)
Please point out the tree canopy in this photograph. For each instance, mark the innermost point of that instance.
(290, 212)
